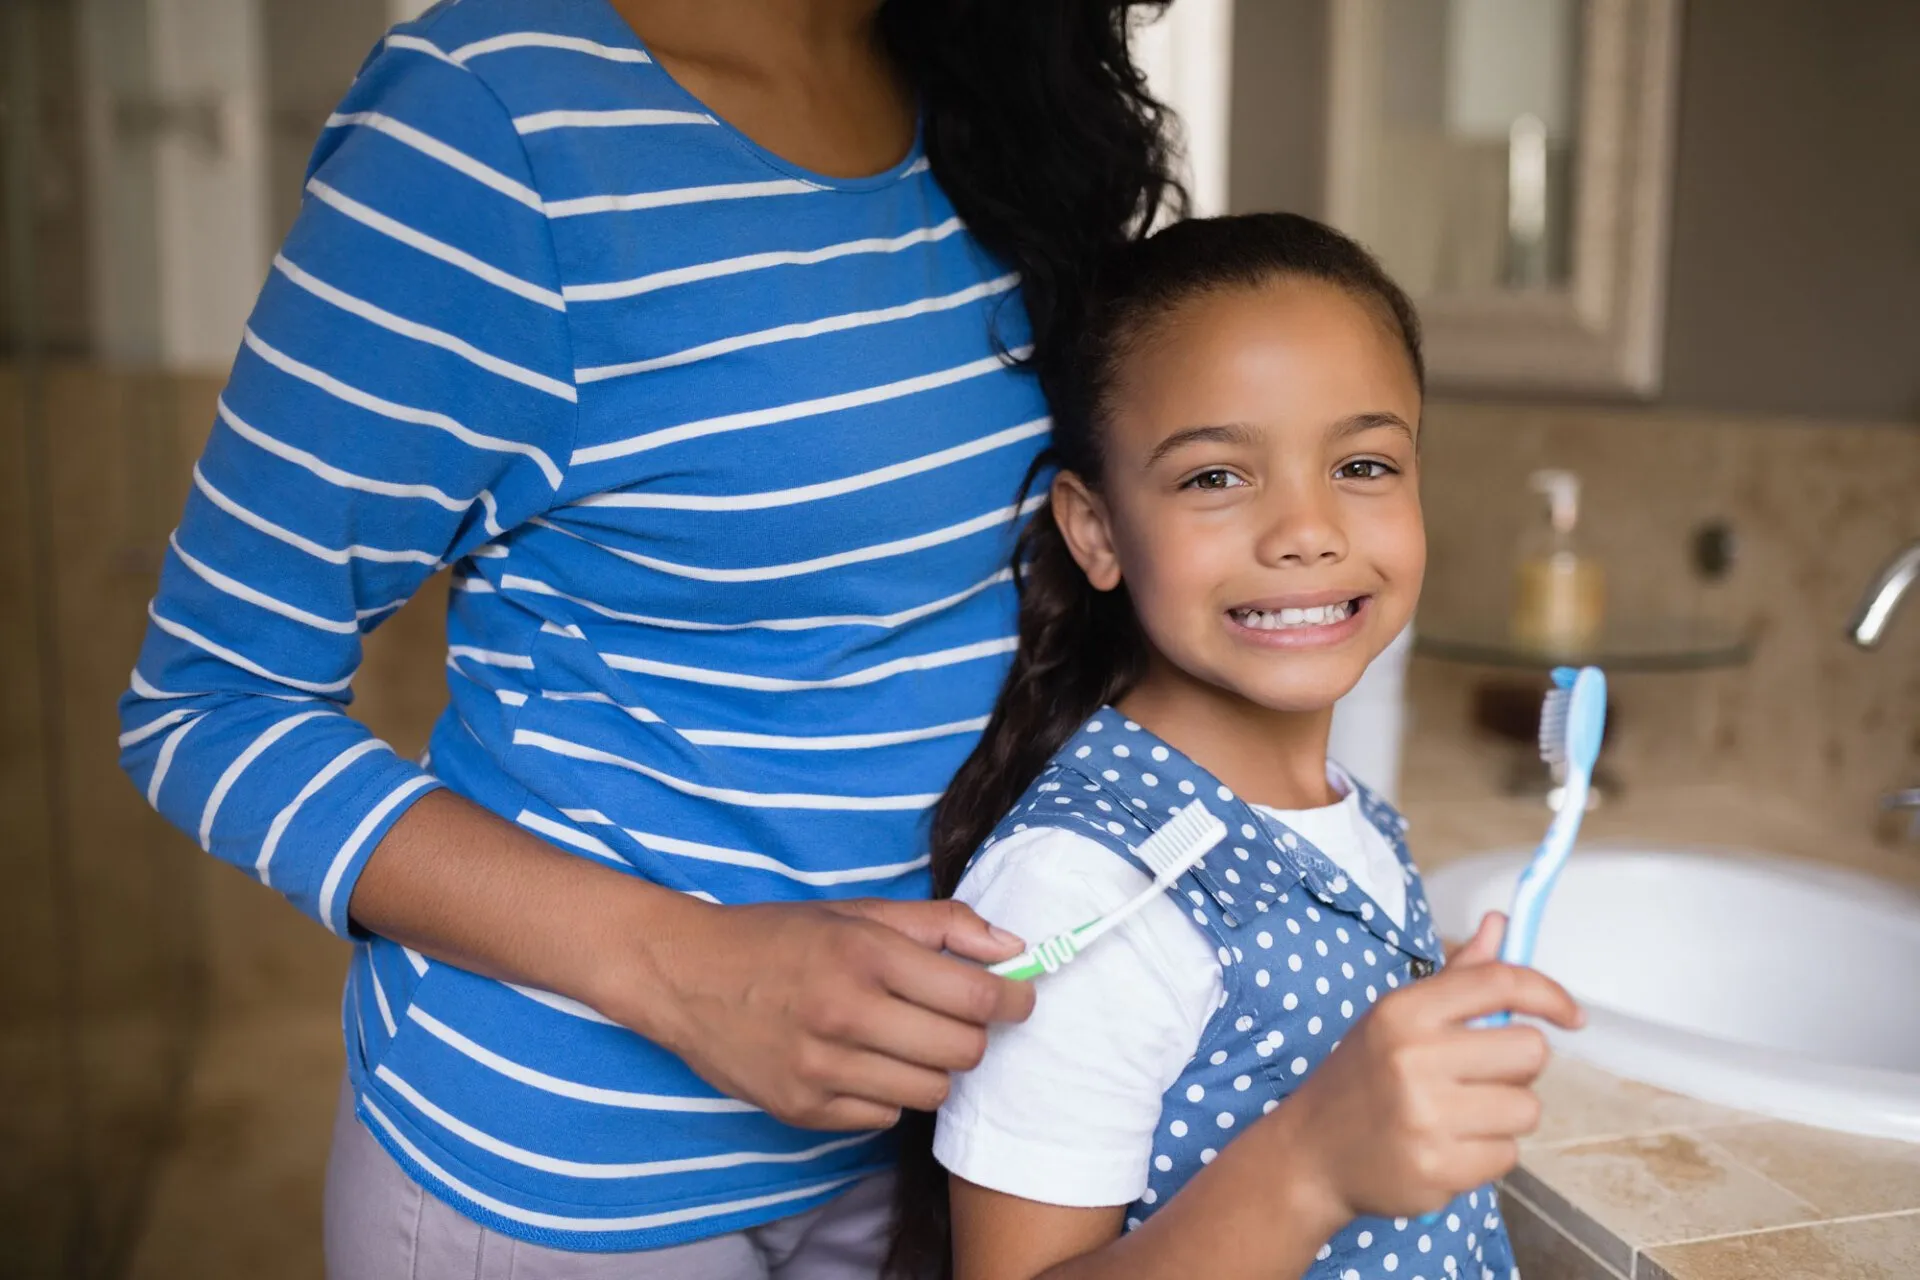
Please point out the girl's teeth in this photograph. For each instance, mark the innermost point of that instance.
(1278, 619)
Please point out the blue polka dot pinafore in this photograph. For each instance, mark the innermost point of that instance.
(1303, 954)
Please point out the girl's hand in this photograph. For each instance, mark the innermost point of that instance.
(1415, 1107)
(830, 1016)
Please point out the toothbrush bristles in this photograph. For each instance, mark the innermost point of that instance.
(1553, 726)
(1180, 843)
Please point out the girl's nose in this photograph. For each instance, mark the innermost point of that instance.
(1302, 530)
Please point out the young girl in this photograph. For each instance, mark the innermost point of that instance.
(1252, 1078)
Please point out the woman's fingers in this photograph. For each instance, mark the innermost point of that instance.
(918, 1037)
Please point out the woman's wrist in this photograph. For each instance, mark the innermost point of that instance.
(639, 939)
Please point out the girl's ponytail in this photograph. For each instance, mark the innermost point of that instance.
(1079, 649)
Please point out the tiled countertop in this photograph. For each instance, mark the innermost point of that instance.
(1627, 1182)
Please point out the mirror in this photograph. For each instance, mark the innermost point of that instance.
(1509, 162)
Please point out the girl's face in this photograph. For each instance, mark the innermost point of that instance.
(1259, 494)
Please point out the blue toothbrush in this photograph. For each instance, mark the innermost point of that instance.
(1572, 721)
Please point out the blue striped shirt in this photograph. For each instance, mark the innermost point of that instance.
(724, 457)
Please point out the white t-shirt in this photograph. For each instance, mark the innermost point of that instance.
(1063, 1107)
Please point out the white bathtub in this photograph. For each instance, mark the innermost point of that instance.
(1755, 982)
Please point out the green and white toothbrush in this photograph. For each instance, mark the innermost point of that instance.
(1169, 853)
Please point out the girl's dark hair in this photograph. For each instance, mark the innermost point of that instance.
(1081, 648)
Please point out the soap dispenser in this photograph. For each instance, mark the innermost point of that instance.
(1559, 593)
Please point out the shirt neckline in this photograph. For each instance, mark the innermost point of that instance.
(912, 162)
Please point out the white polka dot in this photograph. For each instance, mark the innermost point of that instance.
(1364, 1240)
(1264, 1049)
(1083, 753)
(1246, 832)
(1219, 1056)
(1200, 918)
(1339, 884)
(1178, 1128)
(1346, 1008)
(1120, 749)
(1242, 1083)
(1293, 926)
(1299, 1066)
(1346, 970)
(1150, 779)
(1313, 1025)
(1392, 980)
(1233, 877)
(1474, 1199)
(1472, 1240)
(1196, 896)
(1131, 726)
(1207, 1155)
(1224, 1119)
(1110, 775)
(1243, 1023)
(1186, 788)
(1224, 794)
(1343, 935)
(1313, 914)
(1163, 1163)
(1322, 985)
(1195, 1093)
(1276, 1038)
(1116, 828)
(1149, 1196)
(1239, 853)
(1095, 726)
(1326, 1251)
(1453, 1222)
(1264, 938)
(1063, 800)
(1320, 946)
(1291, 1001)
(1293, 963)
(1225, 959)
(1268, 1106)
(1399, 1224)
(1349, 1274)
(1133, 1224)
(1262, 978)
(1103, 806)
(1372, 994)
(1391, 1262)
(1426, 1244)
(1160, 754)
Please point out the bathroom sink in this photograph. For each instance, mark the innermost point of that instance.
(1756, 982)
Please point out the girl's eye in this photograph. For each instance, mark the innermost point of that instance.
(1218, 478)
(1363, 469)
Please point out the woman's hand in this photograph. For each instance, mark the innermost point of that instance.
(830, 1016)
(1415, 1106)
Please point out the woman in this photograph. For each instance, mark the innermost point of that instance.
(665, 326)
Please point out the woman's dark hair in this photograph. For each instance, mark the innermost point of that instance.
(1081, 648)
(1042, 133)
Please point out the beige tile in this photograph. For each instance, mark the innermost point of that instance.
(1838, 1173)
(1543, 1249)
(1582, 1103)
(1661, 1188)
(1873, 1249)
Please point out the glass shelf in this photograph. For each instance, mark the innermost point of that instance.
(1631, 645)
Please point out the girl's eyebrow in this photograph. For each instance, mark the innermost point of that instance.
(1354, 425)
(1226, 433)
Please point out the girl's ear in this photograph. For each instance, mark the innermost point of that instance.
(1082, 520)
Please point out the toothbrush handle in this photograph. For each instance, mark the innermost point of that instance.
(1044, 957)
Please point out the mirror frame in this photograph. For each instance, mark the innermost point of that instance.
(1603, 332)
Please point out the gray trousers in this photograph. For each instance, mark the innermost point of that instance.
(380, 1225)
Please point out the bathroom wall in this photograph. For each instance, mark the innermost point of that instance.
(1816, 507)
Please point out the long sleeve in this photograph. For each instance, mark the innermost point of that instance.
(403, 393)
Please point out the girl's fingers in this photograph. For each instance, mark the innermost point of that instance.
(1492, 1055)
(1486, 1112)
(1479, 1161)
(1484, 947)
(1461, 994)
(854, 1114)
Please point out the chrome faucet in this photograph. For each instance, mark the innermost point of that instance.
(1869, 626)
(1870, 620)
